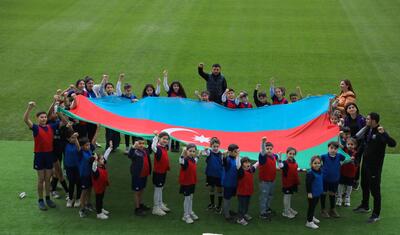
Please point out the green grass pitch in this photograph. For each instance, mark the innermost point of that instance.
(46, 45)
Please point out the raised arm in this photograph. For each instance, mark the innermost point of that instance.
(158, 89)
(272, 88)
(27, 120)
(76, 141)
(118, 86)
(108, 151)
(223, 98)
(263, 149)
(165, 81)
(299, 92)
(94, 140)
(200, 70)
(154, 143)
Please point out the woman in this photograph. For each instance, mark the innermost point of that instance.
(347, 95)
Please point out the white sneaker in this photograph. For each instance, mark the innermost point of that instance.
(291, 210)
(247, 217)
(77, 203)
(102, 216)
(69, 203)
(187, 219)
(66, 197)
(194, 216)
(126, 150)
(55, 195)
(98, 145)
(164, 207)
(347, 202)
(106, 212)
(311, 225)
(158, 211)
(242, 222)
(339, 201)
(288, 215)
(315, 220)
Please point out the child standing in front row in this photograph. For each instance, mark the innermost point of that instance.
(314, 188)
(331, 175)
(214, 170)
(267, 173)
(347, 173)
(290, 182)
(161, 166)
(100, 181)
(71, 164)
(188, 180)
(231, 163)
(245, 189)
(277, 94)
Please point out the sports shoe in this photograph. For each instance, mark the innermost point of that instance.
(126, 150)
(347, 202)
(89, 207)
(311, 225)
(264, 216)
(315, 220)
(218, 210)
(288, 215)
(42, 206)
(66, 197)
(50, 203)
(373, 219)
(339, 201)
(69, 203)
(144, 207)
(325, 214)
(291, 210)
(242, 221)
(139, 212)
(210, 206)
(55, 194)
(77, 203)
(361, 209)
(158, 211)
(82, 213)
(333, 213)
(187, 219)
(193, 216)
(271, 212)
(247, 217)
(104, 211)
(164, 208)
(102, 216)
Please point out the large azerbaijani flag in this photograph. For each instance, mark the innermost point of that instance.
(303, 125)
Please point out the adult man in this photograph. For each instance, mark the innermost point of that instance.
(374, 140)
(216, 83)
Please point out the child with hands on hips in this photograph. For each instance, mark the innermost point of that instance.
(188, 180)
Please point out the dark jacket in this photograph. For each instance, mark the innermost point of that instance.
(216, 85)
(138, 156)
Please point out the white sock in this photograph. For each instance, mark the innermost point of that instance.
(289, 201)
(191, 204)
(286, 203)
(186, 205)
(157, 196)
(340, 191)
(348, 191)
(160, 197)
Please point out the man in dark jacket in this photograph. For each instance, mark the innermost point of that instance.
(216, 83)
(374, 140)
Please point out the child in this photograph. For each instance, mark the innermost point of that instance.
(100, 181)
(108, 88)
(128, 95)
(331, 175)
(314, 187)
(43, 135)
(203, 96)
(161, 166)
(214, 172)
(260, 98)
(175, 89)
(244, 101)
(245, 189)
(290, 182)
(296, 96)
(231, 163)
(347, 173)
(85, 165)
(188, 180)
(140, 170)
(71, 164)
(344, 134)
(149, 90)
(277, 94)
(267, 173)
(229, 100)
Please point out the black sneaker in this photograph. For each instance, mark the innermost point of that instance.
(144, 207)
(50, 203)
(89, 207)
(361, 209)
(265, 216)
(139, 212)
(232, 213)
(271, 212)
(218, 210)
(42, 206)
(82, 213)
(210, 207)
(373, 219)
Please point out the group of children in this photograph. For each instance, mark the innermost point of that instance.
(227, 174)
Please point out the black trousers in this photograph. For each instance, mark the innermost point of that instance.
(127, 140)
(91, 130)
(74, 182)
(371, 183)
(174, 145)
(243, 205)
(312, 203)
(99, 202)
(114, 136)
